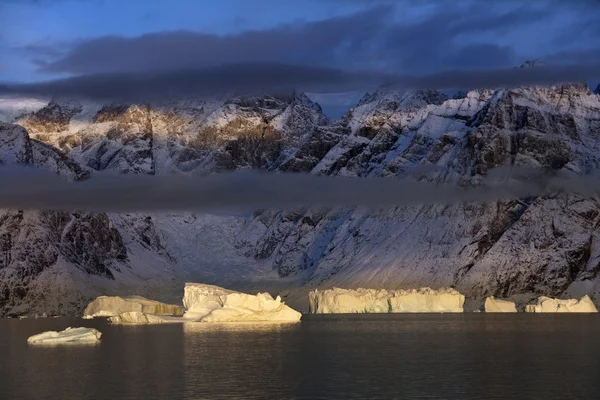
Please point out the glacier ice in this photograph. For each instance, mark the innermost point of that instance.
(493, 305)
(336, 300)
(549, 305)
(69, 335)
(207, 303)
(140, 318)
(111, 306)
(200, 299)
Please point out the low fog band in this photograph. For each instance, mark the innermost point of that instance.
(258, 190)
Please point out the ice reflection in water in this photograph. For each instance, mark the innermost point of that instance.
(206, 327)
(256, 354)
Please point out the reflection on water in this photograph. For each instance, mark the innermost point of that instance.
(223, 327)
(69, 344)
(335, 357)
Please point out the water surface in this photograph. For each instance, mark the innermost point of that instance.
(409, 356)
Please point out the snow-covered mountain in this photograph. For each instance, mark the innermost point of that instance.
(549, 245)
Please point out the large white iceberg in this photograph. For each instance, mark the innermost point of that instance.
(112, 306)
(493, 305)
(69, 335)
(340, 301)
(207, 303)
(549, 305)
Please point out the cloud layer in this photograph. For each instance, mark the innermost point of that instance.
(30, 189)
(406, 44)
(280, 78)
(406, 36)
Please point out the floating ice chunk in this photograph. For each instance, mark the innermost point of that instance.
(140, 318)
(549, 305)
(493, 305)
(69, 335)
(339, 301)
(207, 303)
(111, 306)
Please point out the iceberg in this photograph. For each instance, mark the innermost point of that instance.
(340, 301)
(140, 318)
(69, 335)
(493, 305)
(549, 305)
(207, 303)
(112, 306)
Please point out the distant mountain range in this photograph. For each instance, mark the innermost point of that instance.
(55, 262)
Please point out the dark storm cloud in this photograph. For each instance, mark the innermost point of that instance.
(254, 190)
(269, 78)
(454, 34)
(175, 50)
(444, 47)
(242, 79)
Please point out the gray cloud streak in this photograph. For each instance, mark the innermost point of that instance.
(30, 189)
(279, 78)
(231, 79)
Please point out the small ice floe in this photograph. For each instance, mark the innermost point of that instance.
(69, 335)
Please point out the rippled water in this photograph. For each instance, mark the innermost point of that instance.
(460, 356)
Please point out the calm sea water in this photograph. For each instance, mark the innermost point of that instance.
(460, 356)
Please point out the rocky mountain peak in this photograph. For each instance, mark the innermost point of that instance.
(543, 245)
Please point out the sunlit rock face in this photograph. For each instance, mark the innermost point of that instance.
(112, 306)
(207, 303)
(493, 305)
(68, 336)
(549, 305)
(341, 301)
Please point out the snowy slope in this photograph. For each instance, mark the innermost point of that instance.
(541, 246)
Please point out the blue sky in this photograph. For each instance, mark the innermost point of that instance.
(42, 40)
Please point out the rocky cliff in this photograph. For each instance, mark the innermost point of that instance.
(546, 245)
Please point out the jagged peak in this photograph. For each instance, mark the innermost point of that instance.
(405, 98)
(597, 91)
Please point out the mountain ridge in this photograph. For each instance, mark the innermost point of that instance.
(547, 245)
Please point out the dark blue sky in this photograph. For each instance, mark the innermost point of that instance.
(43, 39)
(49, 39)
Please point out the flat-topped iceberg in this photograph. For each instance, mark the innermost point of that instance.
(207, 303)
(340, 301)
(549, 305)
(493, 305)
(69, 335)
(112, 306)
